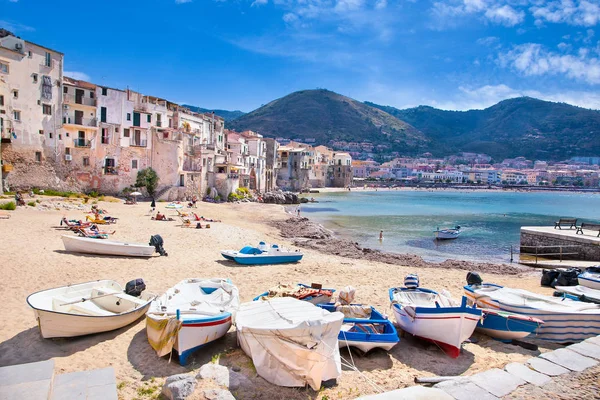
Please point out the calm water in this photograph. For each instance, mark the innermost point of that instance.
(490, 221)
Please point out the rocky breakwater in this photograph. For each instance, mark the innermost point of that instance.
(311, 235)
(280, 197)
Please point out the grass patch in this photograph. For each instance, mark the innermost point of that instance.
(10, 206)
(215, 359)
(121, 385)
(52, 192)
(31, 204)
(146, 391)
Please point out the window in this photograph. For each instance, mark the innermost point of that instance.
(128, 116)
(48, 60)
(134, 164)
(67, 150)
(34, 76)
(41, 131)
(4, 68)
(15, 94)
(104, 91)
(65, 89)
(181, 180)
(50, 135)
(104, 139)
(125, 132)
(170, 123)
(59, 136)
(116, 129)
(46, 109)
(29, 54)
(17, 115)
(86, 161)
(149, 118)
(38, 156)
(91, 95)
(102, 114)
(1, 100)
(67, 133)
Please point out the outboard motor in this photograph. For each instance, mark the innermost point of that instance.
(135, 287)
(411, 281)
(157, 242)
(473, 278)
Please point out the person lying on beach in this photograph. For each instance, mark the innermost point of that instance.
(161, 217)
(205, 219)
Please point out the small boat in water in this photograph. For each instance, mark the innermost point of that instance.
(507, 326)
(190, 315)
(312, 294)
(291, 343)
(106, 247)
(433, 316)
(85, 308)
(263, 254)
(590, 278)
(448, 233)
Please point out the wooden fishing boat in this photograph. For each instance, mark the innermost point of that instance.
(507, 326)
(190, 315)
(263, 254)
(85, 308)
(291, 343)
(448, 233)
(582, 293)
(565, 320)
(364, 327)
(106, 247)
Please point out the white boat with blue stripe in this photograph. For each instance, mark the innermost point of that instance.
(190, 315)
(565, 320)
(506, 326)
(590, 278)
(263, 254)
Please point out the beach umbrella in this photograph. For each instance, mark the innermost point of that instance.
(135, 194)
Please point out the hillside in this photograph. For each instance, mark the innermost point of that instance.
(226, 115)
(326, 116)
(522, 126)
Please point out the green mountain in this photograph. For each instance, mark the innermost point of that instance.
(226, 115)
(327, 116)
(522, 126)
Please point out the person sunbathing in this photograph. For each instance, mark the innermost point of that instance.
(205, 219)
(161, 217)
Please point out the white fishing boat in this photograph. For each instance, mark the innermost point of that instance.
(581, 292)
(106, 247)
(190, 315)
(565, 320)
(590, 278)
(85, 308)
(433, 316)
(263, 254)
(291, 342)
(448, 233)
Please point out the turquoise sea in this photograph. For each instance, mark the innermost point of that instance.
(490, 220)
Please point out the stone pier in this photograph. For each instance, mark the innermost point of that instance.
(587, 245)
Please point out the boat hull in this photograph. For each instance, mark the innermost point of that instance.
(441, 235)
(579, 291)
(198, 332)
(507, 326)
(591, 281)
(106, 247)
(261, 259)
(561, 325)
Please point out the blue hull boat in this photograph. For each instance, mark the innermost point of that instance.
(263, 254)
(370, 332)
(507, 326)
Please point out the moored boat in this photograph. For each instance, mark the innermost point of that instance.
(582, 293)
(432, 316)
(565, 320)
(291, 343)
(447, 233)
(312, 294)
(85, 308)
(190, 315)
(507, 326)
(106, 247)
(263, 254)
(590, 278)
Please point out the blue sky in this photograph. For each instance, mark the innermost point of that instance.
(240, 54)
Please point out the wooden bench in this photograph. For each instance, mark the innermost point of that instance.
(588, 226)
(572, 222)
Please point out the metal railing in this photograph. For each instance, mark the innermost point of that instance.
(138, 143)
(80, 121)
(82, 143)
(86, 101)
(539, 251)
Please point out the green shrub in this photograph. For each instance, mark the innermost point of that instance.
(31, 204)
(217, 198)
(243, 191)
(93, 194)
(234, 197)
(52, 192)
(101, 198)
(11, 205)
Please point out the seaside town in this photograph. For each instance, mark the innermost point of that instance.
(143, 257)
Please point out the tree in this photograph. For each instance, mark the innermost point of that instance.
(147, 178)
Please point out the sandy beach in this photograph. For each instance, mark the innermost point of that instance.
(33, 259)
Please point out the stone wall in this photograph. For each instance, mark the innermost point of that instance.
(586, 251)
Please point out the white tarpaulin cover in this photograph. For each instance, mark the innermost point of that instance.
(291, 342)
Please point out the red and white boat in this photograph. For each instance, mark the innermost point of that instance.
(434, 317)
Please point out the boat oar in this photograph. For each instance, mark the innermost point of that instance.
(87, 298)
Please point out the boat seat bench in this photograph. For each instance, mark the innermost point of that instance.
(572, 222)
(85, 307)
(588, 226)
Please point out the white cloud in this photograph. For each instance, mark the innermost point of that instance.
(182, 1)
(259, 2)
(15, 27)
(573, 12)
(532, 59)
(80, 76)
(447, 13)
(505, 15)
(488, 41)
(380, 4)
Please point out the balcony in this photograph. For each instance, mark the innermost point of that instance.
(138, 143)
(82, 143)
(189, 165)
(111, 171)
(85, 101)
(88, 122)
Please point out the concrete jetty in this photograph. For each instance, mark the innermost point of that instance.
(572, 246)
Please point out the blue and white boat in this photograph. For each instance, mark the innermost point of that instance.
(590, 278)
(507, 326)
(263, 254)
(433, 316)
(448, 233)
(565, 320)
(364, 327)
(190, 315)
(314, 295)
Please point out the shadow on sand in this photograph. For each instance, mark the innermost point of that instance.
(104, 255)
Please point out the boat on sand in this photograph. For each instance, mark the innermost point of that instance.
(85, 308)
(106, 247)
(590, 278)
(507, 326)
(313, 294)
(263, 254)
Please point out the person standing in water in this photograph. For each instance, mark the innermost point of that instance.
(380, 235)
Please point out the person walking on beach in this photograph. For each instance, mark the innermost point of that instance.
(298, 210)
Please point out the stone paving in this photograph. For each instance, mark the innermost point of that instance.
(523, 380)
